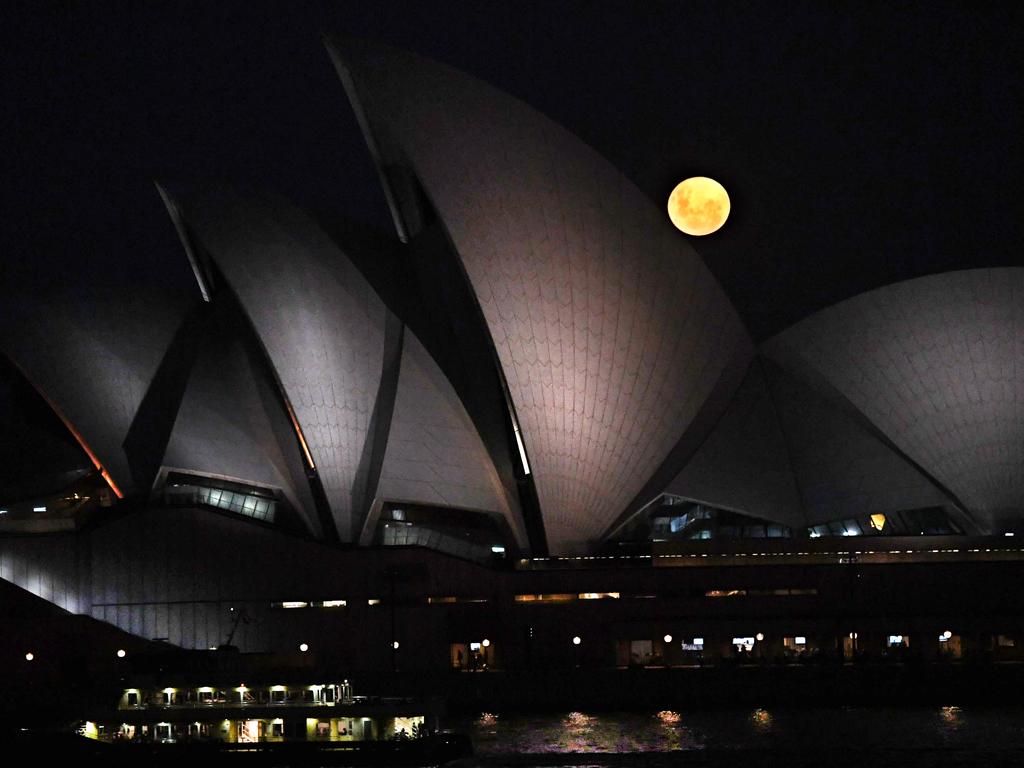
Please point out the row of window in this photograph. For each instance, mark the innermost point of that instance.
(785, 592)
(208, 695)
(256, 507)
(554, 597)
(931, 521)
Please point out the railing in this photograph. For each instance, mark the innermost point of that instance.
(234, 704)
(222, 703)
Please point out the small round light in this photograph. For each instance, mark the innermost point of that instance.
(304, 647)
(395, 645)
(577, 640)
(486, 643)
(668, 638)
(29, 656)
(759, 636)
(120, 653)
(698, 206)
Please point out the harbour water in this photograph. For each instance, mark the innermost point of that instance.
(924, 736)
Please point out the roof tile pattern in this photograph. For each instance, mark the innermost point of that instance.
(92, 351)
(937, 364)
(319, 320)
(843, 470)
(744, 465)
(609, 329)
(434, 454)
(223, 428)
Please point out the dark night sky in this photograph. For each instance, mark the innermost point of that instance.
(859, 147)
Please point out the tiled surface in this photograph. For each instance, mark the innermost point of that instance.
(223, 427)
(320, 322)
(434, 454)
(610, 330)
(937, 364)
(744, 465)
(93, 349)
(843, 470)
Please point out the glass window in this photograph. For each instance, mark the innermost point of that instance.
(641, 651)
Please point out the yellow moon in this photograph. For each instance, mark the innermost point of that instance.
(698, 205)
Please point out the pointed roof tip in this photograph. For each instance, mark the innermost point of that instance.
(337, 44)
(178, 219)
(349, 52)
(329, 41)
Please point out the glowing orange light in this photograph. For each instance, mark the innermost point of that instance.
(298, 431)
(698, 205)
(75, 434)
(878, 522)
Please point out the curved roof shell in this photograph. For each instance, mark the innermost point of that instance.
(936, 365)
(610, 331)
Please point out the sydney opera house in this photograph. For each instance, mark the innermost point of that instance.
(529, 429)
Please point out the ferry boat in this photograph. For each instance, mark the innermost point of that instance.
(282, 724)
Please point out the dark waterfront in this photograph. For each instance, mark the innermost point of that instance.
(920, 736)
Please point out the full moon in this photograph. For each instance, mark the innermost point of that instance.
(698, 205)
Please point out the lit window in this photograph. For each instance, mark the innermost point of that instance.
(551, 598)
(295, 604)
(497, 549)
(373, 601)
(599, 595)
(43, 509)
(445, 599)
(744, 643)
(725, 593)
(333, 604)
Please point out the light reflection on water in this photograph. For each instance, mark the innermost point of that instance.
(951, 716)
(944, 728)
(761, 720)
